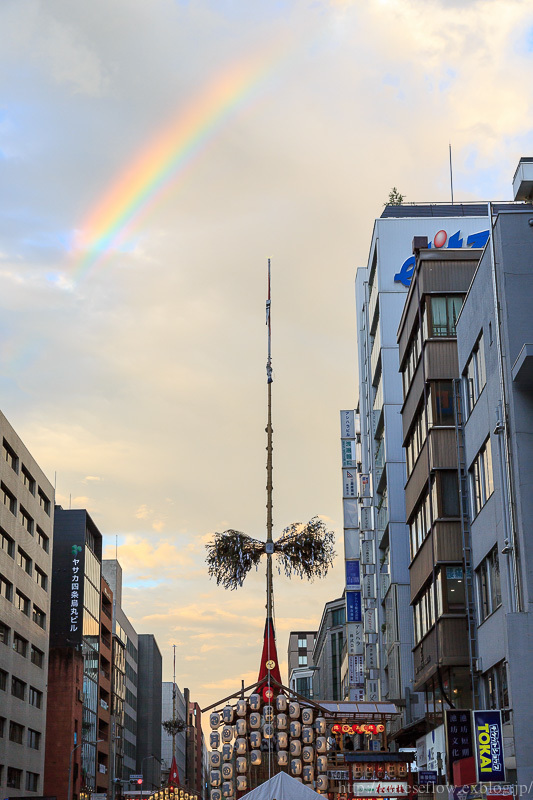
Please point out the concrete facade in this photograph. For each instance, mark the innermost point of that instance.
(327, 655)
(149, 712)
(300, 661)
(26, 535)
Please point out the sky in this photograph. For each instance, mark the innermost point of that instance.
(153, 156)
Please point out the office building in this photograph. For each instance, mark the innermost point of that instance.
(149, 711)
(26, 534)
(327, 654)
(173, 706)
(300, 662)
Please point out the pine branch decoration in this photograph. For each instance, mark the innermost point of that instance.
(230, 557)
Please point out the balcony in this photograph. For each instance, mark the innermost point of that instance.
(106, 611)
(104, 705)
(450, 634)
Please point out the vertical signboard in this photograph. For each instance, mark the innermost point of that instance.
(353, 575)
(488, 742)
(348, 430)
(356, 670)
(353, 607)
(349, 483)
(66, 606)
(351, 513)
(354, 638)
(459, 743)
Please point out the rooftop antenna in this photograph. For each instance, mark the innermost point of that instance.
(451, 171)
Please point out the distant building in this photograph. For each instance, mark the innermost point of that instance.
(195, 748)
(173, 701)
(300, 661)
(149, 711)
(26, 533)
(328, 652)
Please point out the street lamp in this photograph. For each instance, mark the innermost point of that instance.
(70, 764)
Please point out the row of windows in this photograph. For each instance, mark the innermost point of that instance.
(449, 594)
(14, 779)
(474, 376)
(131, 700)
(20, 645)
(439, 413)
(27, 478)
(481, 478)
(488, 584)
(22, 602)
(132, 650)
(15, 733)
(19, 689)
(131, 673)
(7, 544)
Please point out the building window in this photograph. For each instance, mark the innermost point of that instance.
(44, 502)
(302, 661)
(22, 603)
(28, 480)
(481, 478)
(41, 579)
(474, 376)
(26, 521)
(302, 643)
(424, 613)
(338, 616)
(24, 561)
(37, 656)
(444, 313)
(18, 688)
(445, 495)
(450, 591)
(35, 697)
(3, 680)
(34, 739)
(420, 525)
(10, 456)
(16, 732)
(32, 782)
(440, 405)
(8, 499)
(4, 633)
(411, 361)
(2, 726)
(6, 588)
(496, 689)
(39, 617)
(42, 539)
(303, 687)
(488, 584)
(20, 645)
(416, 439)
(6, 543)
(14, 776)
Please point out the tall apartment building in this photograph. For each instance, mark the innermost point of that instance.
(300, 661)
(328, 653)
(375, 504)
(173, 701)
(26, 535)
(149, 711)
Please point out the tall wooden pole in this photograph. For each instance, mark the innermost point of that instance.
(270, 545)
(174, 707)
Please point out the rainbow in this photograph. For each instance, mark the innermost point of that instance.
(157, 167)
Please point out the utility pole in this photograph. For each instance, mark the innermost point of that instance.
(174, 707)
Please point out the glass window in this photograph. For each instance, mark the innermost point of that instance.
(3, 680)
(32, 782)
(302, 661)
(22, 603)
(4, 633)
(6, 588)
(41, 579)
(481, 478)
(488, 583)
(20, 645)
(34, 739)
(8, 499)
(35, 697)
(14, 775)
(25, 520)
(10, 456)
(42, 539)
(24, 561)
(441, 403)
(39, 617)
(7, 544)
(37, 656)
(28, 480)
(18, 688)
(302, 642)
(474, 376)
(44, 502)
(444, 313)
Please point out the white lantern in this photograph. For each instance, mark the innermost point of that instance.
(214, 739)
(294, 710)
(307, 716)
(308, 735)
(241, 708)
(283, 758)
(268, 713)
(283, 740)
(281, 722)
(240, 727)
(322, 783)
(295, 728)
(227, 789)
(240, 746)
(320, 726)
(321, 744)
(308, 773)
(242, 783)
(215, 759)
(281, 702)
(255, 739)
(268, 730)
(242, 764)
(227, 771)
(214, 777)
(215, 720)
(255, 720)
(255, 702)
(296, 747)
(296, 767)
(322, 763)
(216, 794)
(227, 733)
(308, 755)
(227, 752)
(227, 714)
(255, 757)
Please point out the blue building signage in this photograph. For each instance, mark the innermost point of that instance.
(479, 239)
(489, 746)
(353, 607)
(353, 575)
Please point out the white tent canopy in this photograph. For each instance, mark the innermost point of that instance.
(282, 787)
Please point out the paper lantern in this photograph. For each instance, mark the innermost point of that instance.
(228, 789)
(255, 757)
(357, 771)
(281, 702)
(296, 747)
(214, 777)
(227, 733)
(308, 773)
(380, 771)
(295, 728)
(227, 714)
(227, 752)
(241, 764)
(321, 744)
(215, 759)
(215, 720)
(307, 716)
(240, 746)
(391, 770)
(296, 767)
(241, 708)
(281, 722)
(308, 735)
(402, 770)
(255, 720)
(240, 727)
(216, 794)
(268, 713)
(368, 771)
(283, 758)
(268, 730)
(308, 755)
(322, 783)
(321, 726)
(268, 694)
(214, 740)
(242, 783)
(255, 739)
(322, 763)
(294, 710)
(227, 771)
(283, 740)
(255, 702)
